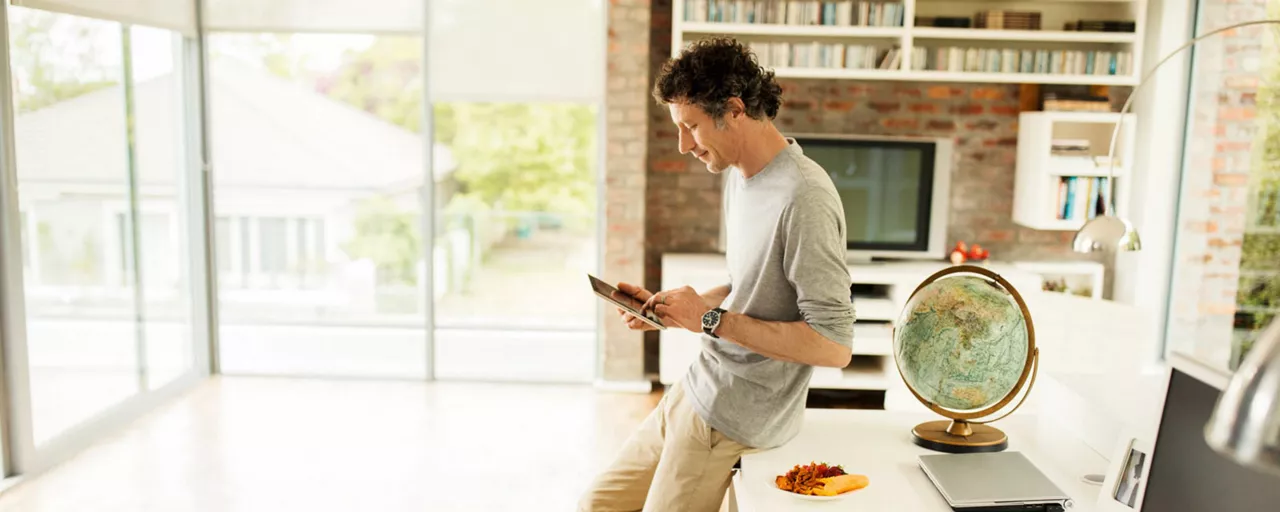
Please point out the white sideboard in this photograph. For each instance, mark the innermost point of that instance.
(881, 290)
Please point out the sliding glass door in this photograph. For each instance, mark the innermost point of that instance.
(100, 167)
(83, 343)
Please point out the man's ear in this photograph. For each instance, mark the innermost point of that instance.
(735, 108)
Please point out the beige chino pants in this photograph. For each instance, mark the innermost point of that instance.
(673, 462)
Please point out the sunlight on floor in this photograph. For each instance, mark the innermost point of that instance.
(272, 444)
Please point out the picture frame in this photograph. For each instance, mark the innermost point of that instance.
(1126, 478)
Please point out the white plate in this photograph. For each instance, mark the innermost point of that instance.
(841, 496)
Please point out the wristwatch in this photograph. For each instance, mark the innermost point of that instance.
(711, 320)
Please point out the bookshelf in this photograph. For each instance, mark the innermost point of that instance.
(813, 38)
(1061, 179)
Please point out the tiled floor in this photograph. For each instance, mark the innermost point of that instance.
(266, 444)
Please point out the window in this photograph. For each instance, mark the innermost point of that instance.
(320, 170)
(81, 324)
(108, 274)
(1226, 282)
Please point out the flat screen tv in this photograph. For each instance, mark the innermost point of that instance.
(895, 192)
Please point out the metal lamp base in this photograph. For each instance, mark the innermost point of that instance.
(959, 436)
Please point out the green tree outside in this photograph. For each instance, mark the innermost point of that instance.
(46, 73)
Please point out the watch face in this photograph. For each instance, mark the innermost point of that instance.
(711, 318)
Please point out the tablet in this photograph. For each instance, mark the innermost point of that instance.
(626, 302)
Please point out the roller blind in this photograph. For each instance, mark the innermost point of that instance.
(516, 50)
(331, 16)
(178, 15)
(479, 50)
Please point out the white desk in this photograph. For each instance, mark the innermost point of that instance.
(878, 444)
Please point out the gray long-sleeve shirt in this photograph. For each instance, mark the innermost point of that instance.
(786, 257)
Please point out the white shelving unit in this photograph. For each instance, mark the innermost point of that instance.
(1041, 177)
(908, 37)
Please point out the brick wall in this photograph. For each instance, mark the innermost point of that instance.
(627, 98)
(1212, 212)
(683, 199)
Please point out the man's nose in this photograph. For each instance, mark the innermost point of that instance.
(686, 143)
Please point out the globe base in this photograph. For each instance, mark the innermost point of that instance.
(943, 436)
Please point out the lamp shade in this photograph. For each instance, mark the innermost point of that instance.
(1245, 425)
(1106, 233)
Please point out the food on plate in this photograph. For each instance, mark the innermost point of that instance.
(841, 484)
(816, 479)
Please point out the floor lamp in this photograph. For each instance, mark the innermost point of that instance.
(1109, 232)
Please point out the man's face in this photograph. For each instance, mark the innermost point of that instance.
(700, 136)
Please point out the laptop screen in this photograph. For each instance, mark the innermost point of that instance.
(1187, 475)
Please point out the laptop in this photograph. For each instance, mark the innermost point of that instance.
(993, 482)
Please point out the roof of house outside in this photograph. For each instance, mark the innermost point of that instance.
(267, 132)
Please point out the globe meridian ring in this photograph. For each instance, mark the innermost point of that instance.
(1028, 364)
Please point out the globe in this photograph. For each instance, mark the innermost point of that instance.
(964, 345)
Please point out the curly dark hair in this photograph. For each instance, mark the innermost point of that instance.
(710, 71)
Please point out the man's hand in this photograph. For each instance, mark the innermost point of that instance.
(681, 307)
(638, 293)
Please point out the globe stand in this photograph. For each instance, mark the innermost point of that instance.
(959, 436)
(962, 433)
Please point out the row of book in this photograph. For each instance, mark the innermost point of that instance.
(838, 13)
(1011, 20)
(1080, 198)
(1100, 26)
(823, 55)
(859, 56)
(1074, 98)
(1008, 60)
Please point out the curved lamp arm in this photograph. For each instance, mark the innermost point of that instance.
(1107, 231)
(1111, 153)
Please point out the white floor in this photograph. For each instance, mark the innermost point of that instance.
(273, 445)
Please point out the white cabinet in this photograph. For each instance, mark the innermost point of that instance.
(880, 292)
(1062, 167)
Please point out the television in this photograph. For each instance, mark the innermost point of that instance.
(895, 191)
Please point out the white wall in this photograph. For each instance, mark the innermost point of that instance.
(1142, 278)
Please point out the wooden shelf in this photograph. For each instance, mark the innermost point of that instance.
(872, 339)
(1055, 36)
(1062, 166)
(867, 373)
(770, 29)
(848, 74)
(1055, 224)
(1086, 117)
(953, 76)
(1017, 78)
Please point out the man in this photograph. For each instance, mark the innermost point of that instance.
(786, 309)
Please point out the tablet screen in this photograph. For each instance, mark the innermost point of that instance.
(606, 290)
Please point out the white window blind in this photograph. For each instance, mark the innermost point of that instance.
(177, 15)
(329, 16)
(516, 50)
(480, 50)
